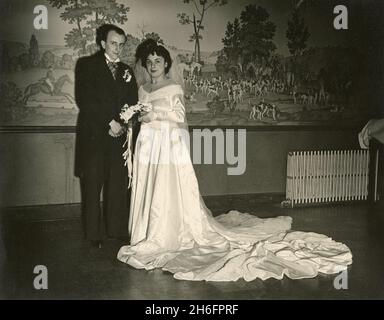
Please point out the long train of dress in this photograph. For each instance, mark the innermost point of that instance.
(172, 229)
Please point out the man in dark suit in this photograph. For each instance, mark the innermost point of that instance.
(103, 85)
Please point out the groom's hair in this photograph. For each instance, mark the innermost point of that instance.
(103, 30)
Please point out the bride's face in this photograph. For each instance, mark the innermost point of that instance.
(156, 65)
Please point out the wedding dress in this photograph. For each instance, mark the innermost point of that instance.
(172, 229)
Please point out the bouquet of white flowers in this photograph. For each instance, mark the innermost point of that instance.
(126, 114)
(127, 111)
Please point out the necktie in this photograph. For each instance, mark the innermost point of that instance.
(113, 67)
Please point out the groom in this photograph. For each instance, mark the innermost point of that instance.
(103, 85)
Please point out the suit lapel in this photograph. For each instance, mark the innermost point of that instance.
(120, 83)
(120, 73)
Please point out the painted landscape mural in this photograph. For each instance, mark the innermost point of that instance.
(246, 63)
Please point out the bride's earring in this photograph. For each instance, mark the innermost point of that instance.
(167, 74)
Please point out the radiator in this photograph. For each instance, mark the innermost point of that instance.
(327, 176)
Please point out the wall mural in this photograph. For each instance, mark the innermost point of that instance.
(250, 63)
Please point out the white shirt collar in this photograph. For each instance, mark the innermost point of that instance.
(109, 59)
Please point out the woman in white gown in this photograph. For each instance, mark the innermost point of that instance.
(172, 229)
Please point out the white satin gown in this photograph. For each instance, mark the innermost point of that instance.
(172, 229)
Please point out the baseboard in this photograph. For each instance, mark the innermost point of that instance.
(216, 203)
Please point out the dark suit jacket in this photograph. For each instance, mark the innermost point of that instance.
(99, 98)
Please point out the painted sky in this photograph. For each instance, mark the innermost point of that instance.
(161, 16)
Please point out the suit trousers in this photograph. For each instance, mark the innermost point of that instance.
(105, 173)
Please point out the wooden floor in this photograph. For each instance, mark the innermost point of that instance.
(76, 271)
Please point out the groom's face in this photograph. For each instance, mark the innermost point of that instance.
(114, 44)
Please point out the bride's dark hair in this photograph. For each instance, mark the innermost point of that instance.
(150, 46)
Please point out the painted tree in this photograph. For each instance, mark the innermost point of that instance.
(106, 11)
(222, 63)
(34, 54)
(248, 40)
(301, 4)
(257, 32)
(142, 30)
(199, 11)
(86, 16)
(75, 13)
(297, 34)
(155, 36)
(231, 41)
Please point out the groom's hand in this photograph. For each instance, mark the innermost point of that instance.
(116, 129)
(115, 135)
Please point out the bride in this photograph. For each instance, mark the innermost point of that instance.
(171, 228)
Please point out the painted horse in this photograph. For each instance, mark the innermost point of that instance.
(43, 87)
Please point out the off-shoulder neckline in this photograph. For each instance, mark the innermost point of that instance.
(168, 85)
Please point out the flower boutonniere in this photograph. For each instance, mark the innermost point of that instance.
(127, 75)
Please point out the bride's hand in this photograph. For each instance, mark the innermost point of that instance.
(147, 116)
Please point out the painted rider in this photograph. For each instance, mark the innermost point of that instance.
(49, 80)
